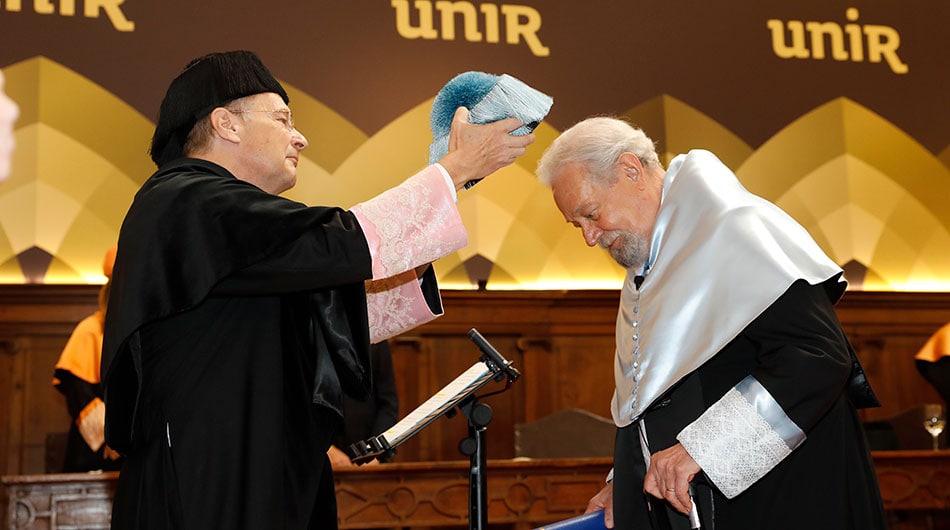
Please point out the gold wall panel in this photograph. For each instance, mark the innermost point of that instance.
(867, 191)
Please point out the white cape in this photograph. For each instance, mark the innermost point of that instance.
(720, 256)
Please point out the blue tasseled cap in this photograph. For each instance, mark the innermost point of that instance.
(488, 98)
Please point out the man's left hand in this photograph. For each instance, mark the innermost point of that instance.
(669, 475)
(338, 458)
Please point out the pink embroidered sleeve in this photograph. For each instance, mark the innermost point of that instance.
(410, 225)
(395, 305)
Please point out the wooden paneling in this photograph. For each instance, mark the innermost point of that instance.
(561, 341)
(914, 480)
(35, 323)
(886, 330)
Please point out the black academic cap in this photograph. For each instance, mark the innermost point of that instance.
(206, 83)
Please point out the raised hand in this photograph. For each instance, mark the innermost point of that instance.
(476, 151)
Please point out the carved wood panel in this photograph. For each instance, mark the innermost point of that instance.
(425, 495)
(54, 502)
(915, 486)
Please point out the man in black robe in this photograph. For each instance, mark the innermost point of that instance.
(736, 388)
(238, 319)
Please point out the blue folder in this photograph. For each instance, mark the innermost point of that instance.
(588, 521)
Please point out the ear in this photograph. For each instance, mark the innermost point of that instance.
(226, 125)
(631, 166)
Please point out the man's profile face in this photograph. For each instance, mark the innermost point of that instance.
(270, 144)
(8, 115)
(608, 215)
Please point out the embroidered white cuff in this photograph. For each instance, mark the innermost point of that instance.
(741, 437)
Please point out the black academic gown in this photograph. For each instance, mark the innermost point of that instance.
(236, 321)
(365, 418)
(799, 352)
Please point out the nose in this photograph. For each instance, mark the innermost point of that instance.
(591, 234)
(299, 141)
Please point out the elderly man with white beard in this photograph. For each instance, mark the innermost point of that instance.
(736, 387)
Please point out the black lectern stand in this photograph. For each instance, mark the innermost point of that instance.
(459, 393)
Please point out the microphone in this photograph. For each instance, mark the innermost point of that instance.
(496, 362)
(638, 281)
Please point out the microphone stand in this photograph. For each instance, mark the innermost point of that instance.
(461, 394)
(479, 415)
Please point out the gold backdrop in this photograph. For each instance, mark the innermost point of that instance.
(873, 194)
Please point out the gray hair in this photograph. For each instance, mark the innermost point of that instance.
(596, 144)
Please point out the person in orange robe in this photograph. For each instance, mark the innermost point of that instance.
(933, 361)
(77, 377)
